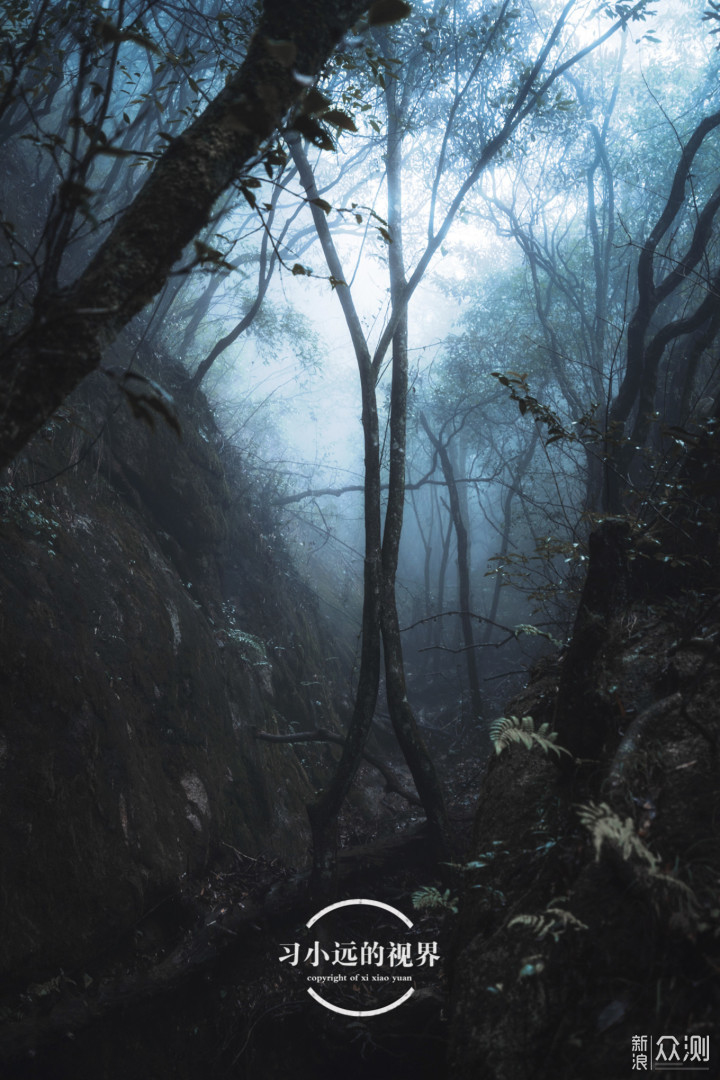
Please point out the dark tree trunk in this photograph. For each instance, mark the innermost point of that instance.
(465, 596)
(630, 414)
(512, 491)
(442, 569)
(323, 813)
(401, 715)
(64, 341)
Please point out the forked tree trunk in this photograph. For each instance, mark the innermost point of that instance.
(401, 714)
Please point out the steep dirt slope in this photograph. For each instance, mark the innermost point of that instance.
(146, 625)
(591, 914)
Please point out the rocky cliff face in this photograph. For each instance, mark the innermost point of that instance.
(146, 628)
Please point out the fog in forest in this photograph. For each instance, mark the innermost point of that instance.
(358, 379)
(536, 277)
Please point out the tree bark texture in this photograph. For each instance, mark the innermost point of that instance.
(586, 724)
(63, 342)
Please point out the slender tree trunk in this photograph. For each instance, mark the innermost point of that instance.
(444, 560)
(426, 540)
(465, 597)
(324, 811)
(636, 393)
(401, 715)
(512, 491)
(381, 554)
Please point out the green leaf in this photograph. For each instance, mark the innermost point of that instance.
(315, 102)
(340, 120)
(383, 12)
(313, 132)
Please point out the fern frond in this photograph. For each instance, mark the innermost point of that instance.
(508, 729)
(675, 884)
(606, 827)
(528, 628)
(536, 924)
(552, 922)
(429, 898)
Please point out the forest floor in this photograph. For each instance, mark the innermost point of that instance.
(199, 984)
(589, 940)
(579, 932)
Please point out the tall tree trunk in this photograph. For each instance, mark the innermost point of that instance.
(381, 555)
(512, 491)
(324, 811)
(401, 715)
(636, 393)
(444, 560)
(465, 596)
(426, 540)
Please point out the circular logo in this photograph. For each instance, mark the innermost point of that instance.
(363, 966)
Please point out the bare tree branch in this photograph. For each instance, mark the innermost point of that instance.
(313, 493)
(63, 342)
(392, 781)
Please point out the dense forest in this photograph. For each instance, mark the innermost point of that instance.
(359, 538)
